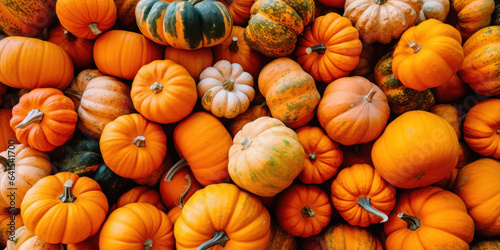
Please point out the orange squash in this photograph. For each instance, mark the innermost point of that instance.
(482, 128)
(27, 19)
(252, 113)
(7, 134)
(195, 61)
(239, 10)
(472, 15)
(450, 114)
(453, 90)
(141, 194)
(178, 185)
(80, 50)
(345, 236)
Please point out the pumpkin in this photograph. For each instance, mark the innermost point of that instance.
(252, 113)
(275, 24)
(345, 236)
(82, 158)
(412, 62)
(486, 245)
(400, 98)
(466, 156)
(86, 19)
(80, 50)
(429, 218)
(290, 92)
(410, 148)
(75, 90)
(280, 239)
(141, 194)
(239, 10)
(122, 53)
(125, 13)
(48, 206)
(367, 60)
(452, 91)
(382, 20)
(231, 211)
(472, 15)
(44, 119)
(322, 155)
(265, 157)
(225, 89)
(236, 50)
(436, 9)
(137, 226)
(478, 71)
(195, 61)
(43, 64)
(481, 128)
(184, 24)
(163, 91)
(361, 195)
(90, 243)
(154, 178)
(303, 210)
(132, 146)
(204, 143)
(7, 134)
(450, 114)
(353, 110)
(10, 221)
(104, 99)
(476, 184)
(28, 19)
(174, 213)
(112, 185)
(330, 48)
(178, 185)
(24, 239)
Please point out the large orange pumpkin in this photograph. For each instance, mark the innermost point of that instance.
(345, 236)
(472, 15)
(482, 128)
(195, 61)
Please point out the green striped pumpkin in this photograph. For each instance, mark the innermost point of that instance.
(186, 25)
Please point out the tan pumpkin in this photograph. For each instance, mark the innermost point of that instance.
(437, 9)
(75, 89)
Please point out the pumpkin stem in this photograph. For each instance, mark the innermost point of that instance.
(175, 168)
(67, 195)
(246, 141)
(140, 141)
(498, 131)
(94, 29)
(148, 244)
(365, 203)
(307, 212)
(312, 157)
(370, 95)
(156, 87)
(415, 46)
(220, 238)
(34, 116)
(228, 84)
(233, 46)
(413, 222)
(6, 164)
(380, 2)
(320, 49)
(76, 93)
(185, 192)
(70, 37)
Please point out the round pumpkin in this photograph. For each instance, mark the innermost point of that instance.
(195, 61)
(28, 19)
(7, 134)
(410, 148)
(345, 236)
(75, 90)
(80, 50)
(239, 10)
(23, 239)
(154, 178)
(141, 194)
(265, 157)
(472, 15)
(436, 9)
(125, 13)
(174, 213)
(482, 128)
(280, 239)
(29, 63)
(450, 114)
(452, 91)
(353, 110)
(178, 185)
(252, 113)
(466, 156)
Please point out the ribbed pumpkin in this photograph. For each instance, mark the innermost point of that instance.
(27, 19)
(122, 53)
(132, 146)
(195, 61)
(400, 98)
(412, 145)
(141, 194)
(86, 18)
(178, 185)
(429, 218)
(345, 236)
(43, 64)
(275, 24)
(75, 90)
(252, 113)
(472, 15)
(482, 128)
(280, 239)
(353, 110)
(80, 50)
(7, 134)
(290, 92)
(450, 114)
(466, 156)
(437, 9)
(367, 60)
(125, 13)
(23, 239)
(265, 157)
(239, 10)
(330, 48)
(184, 24)
(10, 221)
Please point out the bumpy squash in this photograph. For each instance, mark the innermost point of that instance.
(26, 18)
(472, 15)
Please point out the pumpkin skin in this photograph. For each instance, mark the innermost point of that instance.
(154, 178)
(230, 210)
(86, 19)
(163, 91)
(290, 92)
(401, 99)
(195, 61)
(472, 15)
(382, 20)
(27, 19)
(480, 50)
(437, 9)
(112, 185)
(90, 243)
(406, 154)
(9, 223)
(333, 3)
(275, 24)
(252, 113)
(46, 215)
(22, 236)
(443, 221)
(174, 214)
(450, 114)
(452, 91)
(474, 186)
(265, 157)
(323, 156)
(43, 64)
(186, 25)
(367, 60)
(345, 236)
(466, 156)
(204, 142)
(125, 13)
(44, 119)
(7, 134)
(132, 146)
(137, 226)
(239, 10)
(82, 158)
(486, 245)
(177, 186)
(141, 194)
(330, 49)
(80, 50)
(482, 128)
(78, 85)
(280, 239)
(357, 191)
(359, 116)
(104, 99)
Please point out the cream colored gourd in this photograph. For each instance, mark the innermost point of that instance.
(437, 9)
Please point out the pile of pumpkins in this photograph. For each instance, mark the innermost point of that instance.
(250, 124)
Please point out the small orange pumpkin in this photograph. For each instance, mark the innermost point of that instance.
(80, 50)
(195, 61)
(482, 128)
(141, 194)
(178, 185)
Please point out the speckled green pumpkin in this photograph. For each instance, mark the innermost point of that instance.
(401, 98)
(186, 25)
(82, 158)
(112, 185)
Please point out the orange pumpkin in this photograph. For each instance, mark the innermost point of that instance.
(280, 239)
(23, 239)
(252, 113)
(239, 10)
(10, 221)
(154, 178)
(178, 185)
(450, 114)
(472, 15)
(345, 236)
(466, 156)
(482, 128)
(330, 48)
(174, 213)
(80, 50)
(26, 18)
(429, 218)
(132, 146)
(125, 13)
(7, 134)
(453, 90)
(75, 90)
(195, 61)
(141, 194)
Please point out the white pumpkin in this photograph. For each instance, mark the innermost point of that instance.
(225, 89)
(437, 9)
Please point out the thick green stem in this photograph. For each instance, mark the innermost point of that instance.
(67, 195)
(94, 29)
(220, 238)
(320, 49)
(307, 212)
(34, 116)
(413, 222)
(365, 203)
